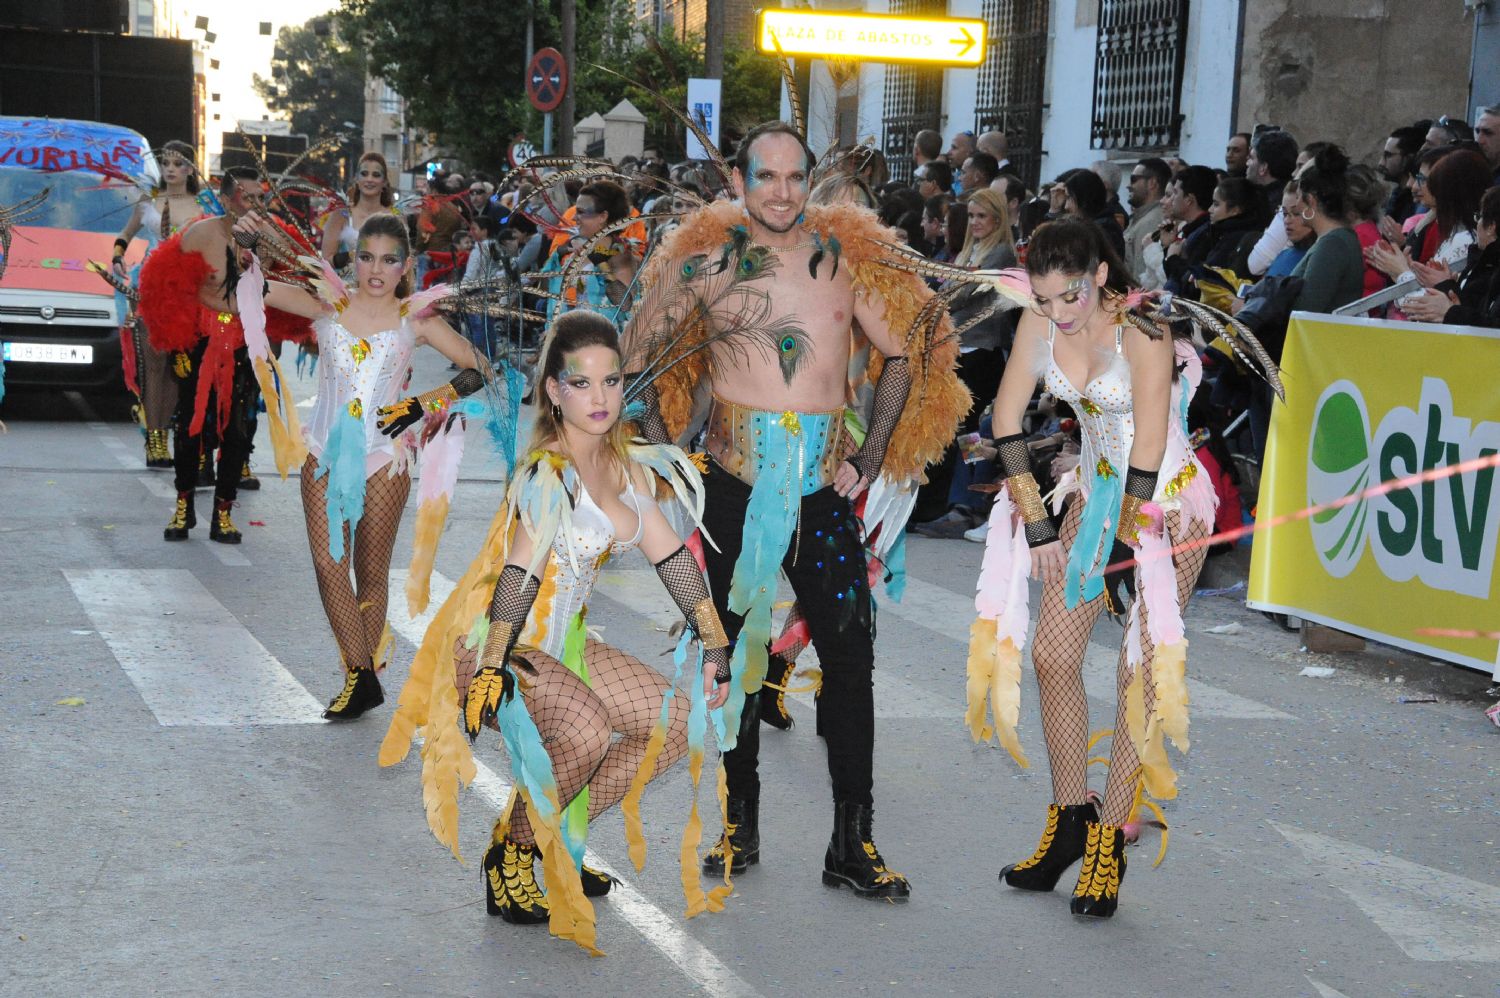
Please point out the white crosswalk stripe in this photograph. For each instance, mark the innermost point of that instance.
(194, 664)
(1432, 915)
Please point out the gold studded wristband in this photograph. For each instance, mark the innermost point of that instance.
(1027, 496)
(497, 646)
(438, 399)
(710, 628)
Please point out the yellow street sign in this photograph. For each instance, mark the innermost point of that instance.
(944, 41)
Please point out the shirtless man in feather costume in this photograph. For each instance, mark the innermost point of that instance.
(751, 310)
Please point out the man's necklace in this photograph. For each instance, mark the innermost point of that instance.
(803, 244)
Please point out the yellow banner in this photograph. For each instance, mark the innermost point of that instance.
(1370, 401)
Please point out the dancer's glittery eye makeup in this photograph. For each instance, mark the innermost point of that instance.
(1079, 290)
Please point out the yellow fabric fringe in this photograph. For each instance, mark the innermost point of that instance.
(1169, 670)
(281, 416)
(630, 806)
(692, 836)
(431, 516)
(572, 915)
(994, 682)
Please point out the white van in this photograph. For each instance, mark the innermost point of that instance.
(59, 323)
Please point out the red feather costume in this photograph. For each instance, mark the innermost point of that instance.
(178, 321)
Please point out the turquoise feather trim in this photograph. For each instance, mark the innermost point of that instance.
(1085, 565)
(531, 767)
(343, 461)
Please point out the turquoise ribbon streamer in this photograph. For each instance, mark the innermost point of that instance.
(782, 477)
(1084, 560)
(343, 461)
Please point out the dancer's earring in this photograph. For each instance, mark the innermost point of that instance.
(557, 412)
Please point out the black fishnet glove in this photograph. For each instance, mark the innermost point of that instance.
(494, 682)
(891, 390)
(652, 426)
(1015, 464)
(394, 419)
(680, 574)
(1119, 585)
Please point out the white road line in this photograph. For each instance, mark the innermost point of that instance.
(193, 664)
(946, 613)
(1324, 991)
(659, 928)
(160, 486)
(1432, 915)
(127, 458)
(412, 628)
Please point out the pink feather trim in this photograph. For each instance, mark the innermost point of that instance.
(1002, 594)
(420, 305)
(253, 311)
(1158, 578)
(440, 460)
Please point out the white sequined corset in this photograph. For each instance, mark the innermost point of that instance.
(372, 371)
(1106, 415)
(593, 542)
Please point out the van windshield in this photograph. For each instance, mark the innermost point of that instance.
(78, 201)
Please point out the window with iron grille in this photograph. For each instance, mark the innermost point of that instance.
(1012, 79)
(913, 98)
(1138, 74)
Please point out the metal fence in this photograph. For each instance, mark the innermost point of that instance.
(1012, 79)
(1138, 74)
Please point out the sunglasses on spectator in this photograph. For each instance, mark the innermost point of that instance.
(1446, 122)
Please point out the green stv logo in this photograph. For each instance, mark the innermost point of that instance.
(1443, 531)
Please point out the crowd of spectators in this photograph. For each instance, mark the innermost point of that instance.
(1279, 226)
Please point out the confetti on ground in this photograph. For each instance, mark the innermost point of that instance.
(71, 702)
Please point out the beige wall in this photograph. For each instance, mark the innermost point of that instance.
(1350, 70)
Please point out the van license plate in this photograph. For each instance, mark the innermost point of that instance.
(48, 353)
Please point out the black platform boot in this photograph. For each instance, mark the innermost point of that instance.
(853, 861)
(596, 883)
(778, 673)
(183, 519)
(248, 479)
(222, 530)
(742, 836)
(1062, 846)
(361, 692)
(1097, 893)
(510, 887)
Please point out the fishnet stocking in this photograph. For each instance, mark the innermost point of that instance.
(158, 383)
(356, 608)
(1062, 637)
(1057, 654)
(1119, 792)
(577, 725)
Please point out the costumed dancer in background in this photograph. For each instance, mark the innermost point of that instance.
(159, 215)
(753, 302)
(355, 480)
(584, 494)
(1123, 361)
(370, 194)
(600, 281)
(190, 305)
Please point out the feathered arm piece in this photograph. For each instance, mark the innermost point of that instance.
(17, 214)
(281, 408)
(329, 287)
(1157, 307)
(115, 281)
(170, 279)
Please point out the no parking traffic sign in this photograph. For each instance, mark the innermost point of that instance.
(546, 79)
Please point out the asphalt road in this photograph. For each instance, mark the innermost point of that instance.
(178, 820)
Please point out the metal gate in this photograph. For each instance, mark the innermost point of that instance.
(1011, 81)
(1138, 74)
(913, 98)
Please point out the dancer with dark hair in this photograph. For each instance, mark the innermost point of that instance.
(355, 479)
(160, 215)
(190, 303)
(584, 494)
(1138, 490)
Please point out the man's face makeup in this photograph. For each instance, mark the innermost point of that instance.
(775, 189)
